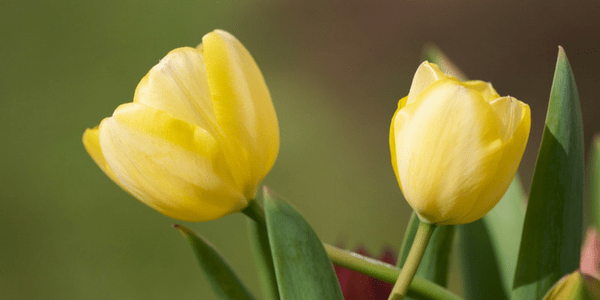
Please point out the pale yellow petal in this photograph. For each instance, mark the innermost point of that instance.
(178, 85)
(485, 88)
(449, 145)
(512, 152)
(426, 74)
(242, 104)
(171, 165)
(396, 122)
(92, 146)
(510, 111)
(569, 287)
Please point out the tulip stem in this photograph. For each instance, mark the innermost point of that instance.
(368, 266)
(417, 250)
(419, 287)
(255, 212)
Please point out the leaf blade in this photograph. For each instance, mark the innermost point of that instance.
(259, 243)
(302, 267)
(551, 240)
(223, 280)
(504, 224)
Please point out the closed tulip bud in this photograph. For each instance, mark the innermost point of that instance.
(199, 136)
(456, 146)
(575, 286)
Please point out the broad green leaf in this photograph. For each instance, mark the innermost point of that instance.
(478, 262)
(551, 240)
(302, 267)
(489, 247)
(595, 180)
(436, 260)
(221, 277)
(259, 242)
(504, 224)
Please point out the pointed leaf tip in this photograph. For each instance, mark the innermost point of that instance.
(551, 240)
(561, 51)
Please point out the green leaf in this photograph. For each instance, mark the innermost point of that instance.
(551, 240)
(259, 242)
(489, 247)
(504, 224)
(302, 266)
(436, 260)
(221, 277)
(481, 274)
(595, 180)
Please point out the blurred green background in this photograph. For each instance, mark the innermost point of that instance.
(335, 70)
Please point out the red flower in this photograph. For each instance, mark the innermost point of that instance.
(357, 286)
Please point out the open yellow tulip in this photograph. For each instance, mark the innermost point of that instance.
(456, 146)
(199, 136)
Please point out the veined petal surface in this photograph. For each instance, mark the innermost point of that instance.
(91, 143)
(171, 165)
(446, 122)
(425, 76)
(178, 85)
(455, 146)
(242, 102)
(200, 135)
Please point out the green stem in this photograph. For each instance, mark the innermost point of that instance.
(255, 212)
(386, 272)
(365, 265)
(412, 261)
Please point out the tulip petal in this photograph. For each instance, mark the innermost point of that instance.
(485, 88)
(242, 102)
(463, 145)
(395, 123)
(91, 143)
(511, 112)
(426, 75)
(178, 85)
(171, 165)
(519, 118)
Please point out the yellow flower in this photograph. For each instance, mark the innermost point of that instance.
(456, 146)
(574, 286)
(199, 136)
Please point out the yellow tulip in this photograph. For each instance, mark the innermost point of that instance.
(575, 286)
(456, 146)
(199, 136)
